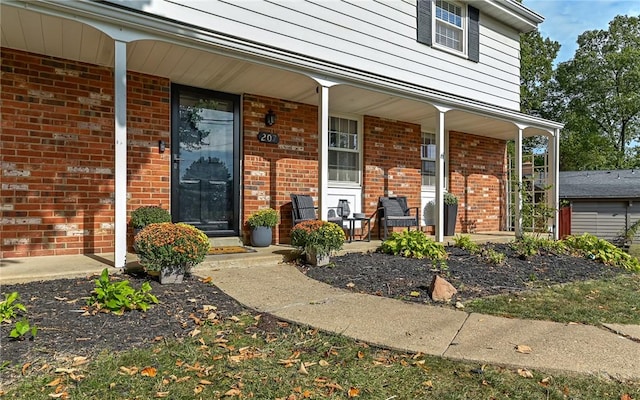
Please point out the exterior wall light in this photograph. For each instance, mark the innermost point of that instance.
(270, 118)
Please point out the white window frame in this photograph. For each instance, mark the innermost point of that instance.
(358, 150)
(441, 22)
(424, 156)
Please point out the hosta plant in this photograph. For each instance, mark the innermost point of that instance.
(119, 296)
(414, 244)
(602, 250)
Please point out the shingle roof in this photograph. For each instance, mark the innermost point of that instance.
(623, 183)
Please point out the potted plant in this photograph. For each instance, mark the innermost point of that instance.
(261, 223)
(171, 249)
(145, 215)
(450, 213)
(317, 239)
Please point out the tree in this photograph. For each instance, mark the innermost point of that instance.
(536, 73)
(597, 95)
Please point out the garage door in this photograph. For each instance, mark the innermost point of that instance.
(607, 220)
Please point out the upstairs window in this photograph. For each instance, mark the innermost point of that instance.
(344, 150)
(449, 25)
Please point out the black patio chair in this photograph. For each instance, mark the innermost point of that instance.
(393, 211)
(302, 209)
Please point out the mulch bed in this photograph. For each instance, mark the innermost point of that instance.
(58, 307)
(472, 275)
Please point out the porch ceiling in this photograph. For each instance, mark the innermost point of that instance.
(60, 37)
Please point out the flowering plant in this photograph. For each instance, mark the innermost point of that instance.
(266, 217)
(168, 245)
(145, 215)
(321, 237)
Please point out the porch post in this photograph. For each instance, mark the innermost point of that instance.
(120, 111)
(440, 181)
(554, 169)
(323, 150)
(518, 191)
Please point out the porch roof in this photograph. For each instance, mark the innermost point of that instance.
(188, 55)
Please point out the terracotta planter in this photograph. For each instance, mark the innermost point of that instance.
(316, 260)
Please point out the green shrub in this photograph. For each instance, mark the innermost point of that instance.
(450, 199)
(266, 217)
(147, 215)
(529, 245)
(119, 297)
(464, 242)
(599, 249)
(414, 244)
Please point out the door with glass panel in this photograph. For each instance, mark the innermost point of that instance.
(205, 160)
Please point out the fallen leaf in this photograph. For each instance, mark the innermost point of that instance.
(428, 384)
(208, 279)
(360, 355)
(414, 294)
(545, 382)
(233, 392)
(198, 389)
(205, 382)
(353, 392)
(323, 363)
(129, 371)
(162, 394)
(351, 285)
(61, 395)
(303, 370)
(626, 396)
(149, 371)
(79, 361)
(25, 367)
(55, 382)
(234, 318)
(525, 373)
(523, 349)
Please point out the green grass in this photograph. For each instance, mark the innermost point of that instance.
(613, 300)
(235, 359)
(634, 250)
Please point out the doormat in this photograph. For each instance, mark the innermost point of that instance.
(230, 250)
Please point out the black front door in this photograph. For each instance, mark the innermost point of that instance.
(205, 160)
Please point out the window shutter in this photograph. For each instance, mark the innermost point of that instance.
(424, 22)
(473, 39)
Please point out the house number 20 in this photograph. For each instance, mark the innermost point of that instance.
(268, 137)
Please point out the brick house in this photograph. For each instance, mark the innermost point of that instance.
(108, 106)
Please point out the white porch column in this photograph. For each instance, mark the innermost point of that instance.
(554, 181)
(323, 144)
(323, 151)
(440, 181)
(518, 189)
(120, 111)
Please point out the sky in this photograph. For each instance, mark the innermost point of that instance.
(565, 20)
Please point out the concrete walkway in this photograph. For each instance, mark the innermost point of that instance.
(263, 282)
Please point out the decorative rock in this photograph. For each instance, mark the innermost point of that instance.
(459, 305)
(441, 290)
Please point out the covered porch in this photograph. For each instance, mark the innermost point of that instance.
(123, 41)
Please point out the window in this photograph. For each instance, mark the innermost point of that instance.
(344, 150)
(449, 25)
(428, 154)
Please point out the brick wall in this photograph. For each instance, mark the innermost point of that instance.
(273, 171)
(57, 164)
(392, 162)
(477, 175)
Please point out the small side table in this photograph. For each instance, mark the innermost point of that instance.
(365, 223)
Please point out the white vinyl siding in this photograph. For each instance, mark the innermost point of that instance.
(377, 37)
